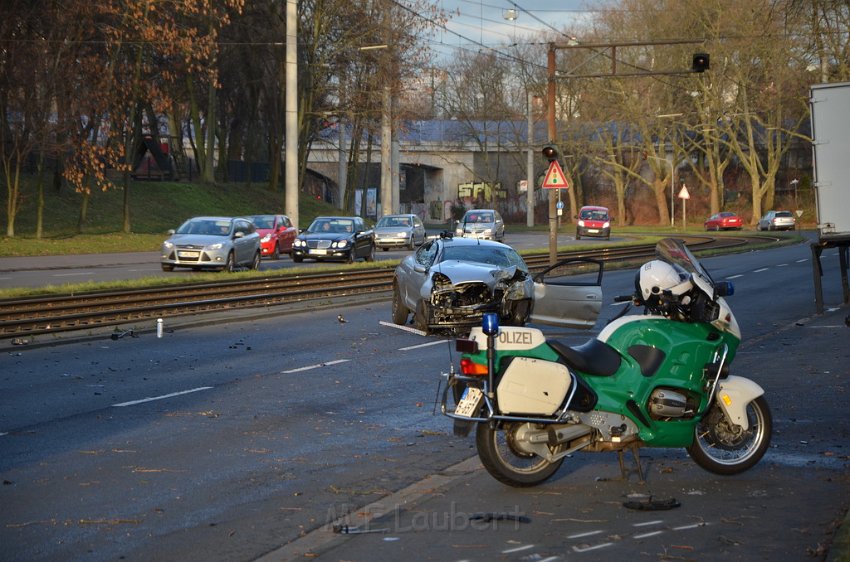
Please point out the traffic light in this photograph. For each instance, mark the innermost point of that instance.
(550, 152)
(700, 62)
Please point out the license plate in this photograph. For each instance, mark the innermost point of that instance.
(188, 254)
(593, 230)
(319, 252)
(468, 402)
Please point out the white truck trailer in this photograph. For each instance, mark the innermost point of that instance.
(830, 118)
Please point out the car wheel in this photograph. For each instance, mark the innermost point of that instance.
(230, 264)
(578, 236)
(371, 255)
(400, 312)
(351, 256)
(167, 267)
(412, 245)
(420, 317)
(255, 265)
(276, 252)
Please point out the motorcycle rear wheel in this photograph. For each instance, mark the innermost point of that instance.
(722, 448)
(508, 464)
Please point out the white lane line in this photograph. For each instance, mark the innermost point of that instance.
(648, 523)
(802, 260)
(4, 433)
(405, 328)
(645, 535)
(517, 549)
(582, 535)
(692, 526)
(164, 396)
(316, 366)
(72, 274)
(782, 265)
(421, 345)
(760, 270)
(734, 276)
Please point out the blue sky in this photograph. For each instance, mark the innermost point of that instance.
(486, 21)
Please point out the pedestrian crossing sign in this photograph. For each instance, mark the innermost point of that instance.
(555, 178)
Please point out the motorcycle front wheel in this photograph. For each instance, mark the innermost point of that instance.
(725, 448)
(506, 462)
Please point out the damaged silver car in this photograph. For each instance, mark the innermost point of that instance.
(449, 283)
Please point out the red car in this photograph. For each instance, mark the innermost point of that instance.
(276, 234)
(724, 221)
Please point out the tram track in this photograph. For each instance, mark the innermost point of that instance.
(31, 316)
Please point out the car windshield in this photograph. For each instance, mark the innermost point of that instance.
(727, 215)
(207, 227)
(393, 222)
(262, 221)
(490, 255)
(331, 225)
(783, 214)
(594, 215)
(479, 217)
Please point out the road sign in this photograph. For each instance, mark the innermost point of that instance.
(683, 194)
(555, 177)
(559, 205)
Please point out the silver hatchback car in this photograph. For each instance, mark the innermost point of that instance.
(486, 224)
(221, 243)
(777, 220)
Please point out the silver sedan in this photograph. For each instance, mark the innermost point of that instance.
(221, 243)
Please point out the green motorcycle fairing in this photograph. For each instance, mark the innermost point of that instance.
(655, 352)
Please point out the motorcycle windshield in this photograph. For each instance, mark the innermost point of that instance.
(674, 251)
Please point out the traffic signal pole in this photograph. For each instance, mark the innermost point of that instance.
(553, 201)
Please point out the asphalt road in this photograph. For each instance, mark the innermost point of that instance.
(227, 440)
(70, 269)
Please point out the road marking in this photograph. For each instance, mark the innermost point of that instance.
(405, 328)
(782, 265)
(316, 366)
(734, 276)
(71, 274)
(760, 270)
(645, 535)
(4, 433)
(421, 345)
(802, 260)
(692, 526)
(164, 396)
(517, 549)
(648, 523)
(582, 535)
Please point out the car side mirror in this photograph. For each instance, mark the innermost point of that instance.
(419, 268)
(171, 231)
(239, 234)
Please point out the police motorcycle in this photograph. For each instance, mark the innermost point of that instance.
(657, 379)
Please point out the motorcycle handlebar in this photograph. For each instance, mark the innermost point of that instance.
(623, 298)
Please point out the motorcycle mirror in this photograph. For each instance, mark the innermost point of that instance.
(490, 323)
(724, 289)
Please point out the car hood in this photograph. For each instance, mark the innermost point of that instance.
(198, 239)
(325, 236)
(471, 272)
(392, 229)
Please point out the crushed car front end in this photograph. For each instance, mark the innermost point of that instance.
(458, 296)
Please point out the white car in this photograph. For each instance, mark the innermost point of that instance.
(221, 243)
(399, 231)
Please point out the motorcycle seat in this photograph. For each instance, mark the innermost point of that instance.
(593, 357)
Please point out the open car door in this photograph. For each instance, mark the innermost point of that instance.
(568, 294)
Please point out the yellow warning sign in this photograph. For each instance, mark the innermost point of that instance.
(555, 178)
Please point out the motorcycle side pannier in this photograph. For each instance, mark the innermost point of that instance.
(533, 386)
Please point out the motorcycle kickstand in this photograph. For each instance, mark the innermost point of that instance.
(623, 471)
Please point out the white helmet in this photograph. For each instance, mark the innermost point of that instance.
(658, 276)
